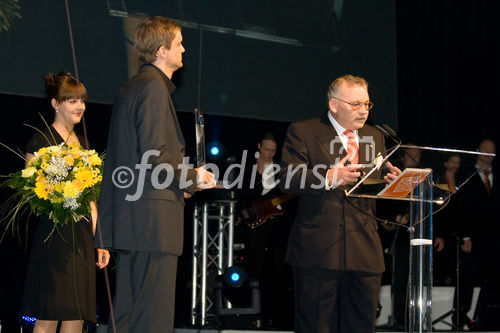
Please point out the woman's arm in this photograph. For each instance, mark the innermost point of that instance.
(93, 215)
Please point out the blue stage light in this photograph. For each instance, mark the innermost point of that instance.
(235, 277)
(214, 151)
(29, 319)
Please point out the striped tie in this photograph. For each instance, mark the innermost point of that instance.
(352, 147)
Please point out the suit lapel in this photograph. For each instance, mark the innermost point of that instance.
(329, 141)
(363, 149)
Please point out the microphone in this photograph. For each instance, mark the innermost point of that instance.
(394, 136)
(388, 132)
(382, 130)
(392, 133)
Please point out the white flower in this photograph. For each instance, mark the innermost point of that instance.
(71, 203)
(57, 170)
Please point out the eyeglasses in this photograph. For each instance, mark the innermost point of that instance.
(355, 106)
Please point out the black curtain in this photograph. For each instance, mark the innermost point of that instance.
(447, 71)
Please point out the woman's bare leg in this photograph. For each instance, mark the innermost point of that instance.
(45, 326)
(71, 326)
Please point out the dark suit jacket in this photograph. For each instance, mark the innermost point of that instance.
(478, 209)
(330, 230)
(144, 119)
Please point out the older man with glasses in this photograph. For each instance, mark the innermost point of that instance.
(334, 246)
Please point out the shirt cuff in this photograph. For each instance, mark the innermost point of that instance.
(328, 186)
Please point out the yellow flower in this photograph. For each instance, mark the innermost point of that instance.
(32, 161)
(59, 188)
(75, 151)
(75, 146)
(28, 172)
(95, 160)
(45, 157)
(42, 151)
(70, 191)
(84, 175)
(69, 160)
(78, 184)
(41, 190)
(41, 177)
(54, 150)
(44, 165)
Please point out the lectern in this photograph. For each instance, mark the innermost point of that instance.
(427, 188)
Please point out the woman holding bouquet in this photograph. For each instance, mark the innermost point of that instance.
(60, 280)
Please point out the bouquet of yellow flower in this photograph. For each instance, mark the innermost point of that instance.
(59, 181)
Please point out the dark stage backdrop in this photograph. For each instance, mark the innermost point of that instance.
(448, 68)
(259, 59)
(232, 134)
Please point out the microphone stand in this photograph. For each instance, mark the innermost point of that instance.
(455, 307)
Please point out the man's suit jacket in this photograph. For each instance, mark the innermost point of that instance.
(478, 209)
(144, 119)
(330, 230)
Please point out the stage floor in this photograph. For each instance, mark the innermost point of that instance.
(184, 330)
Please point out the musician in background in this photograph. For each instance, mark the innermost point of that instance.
(265, 244)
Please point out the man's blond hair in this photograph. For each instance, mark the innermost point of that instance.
(153, 33)
(334, 87)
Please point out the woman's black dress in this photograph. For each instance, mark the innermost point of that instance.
(60, 279)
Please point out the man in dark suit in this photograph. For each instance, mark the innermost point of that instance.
(334, 246)
(479, 252)
(146, 149)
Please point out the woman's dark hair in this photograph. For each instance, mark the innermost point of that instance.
(63, 86)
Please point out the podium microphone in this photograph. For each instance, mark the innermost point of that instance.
(392, 133)
(382, 130)
(389, 133)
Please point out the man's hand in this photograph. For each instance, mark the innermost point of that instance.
(187, 195)
(439, 244)
(403, 218)
(393, 172)
(467, 245)
(343, 174)
(206, 179)
(261, 163)
(102, 258)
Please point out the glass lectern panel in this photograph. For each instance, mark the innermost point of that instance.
(429, 178)
(450, 168)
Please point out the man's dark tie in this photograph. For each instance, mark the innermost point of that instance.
(487, 183)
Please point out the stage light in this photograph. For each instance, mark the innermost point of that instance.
(28, 323)
(235, 287)
(235, 276)
(214, 151)
(29, 319)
